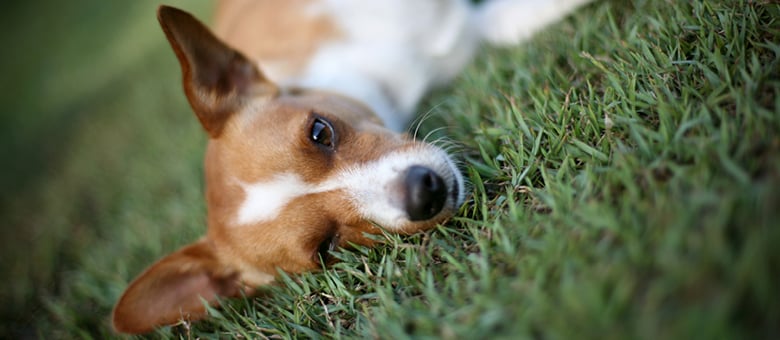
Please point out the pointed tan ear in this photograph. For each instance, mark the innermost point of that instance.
(172, 289)
(217, 79)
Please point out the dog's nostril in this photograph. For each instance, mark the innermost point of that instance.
(425, 193)
(429, 180)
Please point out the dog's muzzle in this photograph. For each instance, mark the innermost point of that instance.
(425, 194)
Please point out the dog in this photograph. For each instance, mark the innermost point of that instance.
(304, 102)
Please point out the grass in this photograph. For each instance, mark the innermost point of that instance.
(624, 168)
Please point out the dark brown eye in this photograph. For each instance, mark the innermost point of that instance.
(322, 133)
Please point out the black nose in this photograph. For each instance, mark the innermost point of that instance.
(425, 193)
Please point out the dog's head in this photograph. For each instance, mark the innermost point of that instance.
(290, 175)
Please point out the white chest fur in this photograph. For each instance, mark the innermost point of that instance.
(391, 52)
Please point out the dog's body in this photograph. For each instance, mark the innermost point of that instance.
(385, 54)
(305, 156)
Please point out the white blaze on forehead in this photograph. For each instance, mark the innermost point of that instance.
(264, 200)
(375, 189)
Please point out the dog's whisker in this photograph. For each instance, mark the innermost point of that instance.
(417, 123)
(432, 132)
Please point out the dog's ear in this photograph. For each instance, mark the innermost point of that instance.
(173, 289)
(217, 79)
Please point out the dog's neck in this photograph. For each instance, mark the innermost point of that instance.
(386, 66)
(392, 103)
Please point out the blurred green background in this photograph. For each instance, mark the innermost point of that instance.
(87, 87)
(660, 224)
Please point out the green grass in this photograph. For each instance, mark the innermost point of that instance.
(625, 167)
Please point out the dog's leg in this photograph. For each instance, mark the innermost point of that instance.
(509, 22)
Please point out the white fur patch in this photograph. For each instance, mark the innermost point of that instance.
(395, 52)
(372, 188)
(509, 22)
(254, 277)
(264, 200)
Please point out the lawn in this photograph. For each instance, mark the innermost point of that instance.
(624, 169)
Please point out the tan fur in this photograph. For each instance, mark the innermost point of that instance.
(280, 132)
(293, 173)
(291, 33)
(194, 268)
(257, 131)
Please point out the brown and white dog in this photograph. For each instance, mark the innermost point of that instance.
(306, 156)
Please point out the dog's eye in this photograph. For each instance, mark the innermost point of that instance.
(325, 247)
(322, 133)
